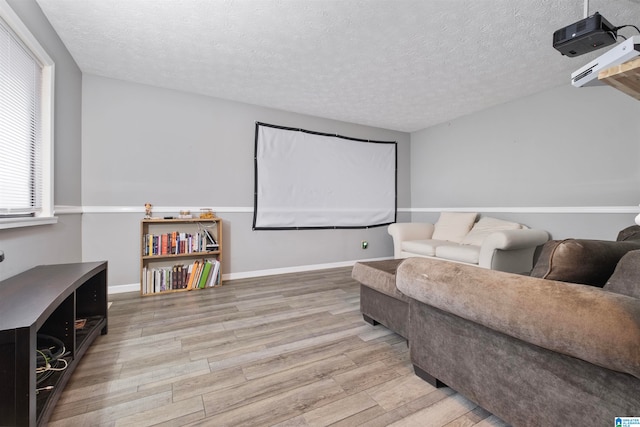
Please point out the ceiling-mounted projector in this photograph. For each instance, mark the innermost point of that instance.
(588, 34)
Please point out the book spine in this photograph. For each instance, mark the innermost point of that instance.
(205, 274)
(216, 273)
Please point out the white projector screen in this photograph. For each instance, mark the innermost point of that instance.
(307, 179)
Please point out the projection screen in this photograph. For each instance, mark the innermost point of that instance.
(306, 179)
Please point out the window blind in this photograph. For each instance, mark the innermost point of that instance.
(20, 127)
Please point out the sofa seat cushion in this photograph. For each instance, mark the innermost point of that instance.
(379, 275)
(586, 322)
(425, 247)
(462, 253)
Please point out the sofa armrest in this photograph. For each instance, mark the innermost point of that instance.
(511, 240)
(403, 231)
(586, 322)
(514, 239)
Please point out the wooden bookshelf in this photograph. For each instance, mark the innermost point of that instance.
(179, 255)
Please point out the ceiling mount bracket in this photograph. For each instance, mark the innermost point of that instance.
(586, 8)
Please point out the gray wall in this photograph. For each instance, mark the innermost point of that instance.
(564, 160)
(47, 244)
(179, 150)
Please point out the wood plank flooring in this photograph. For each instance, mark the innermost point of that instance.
(287, 350)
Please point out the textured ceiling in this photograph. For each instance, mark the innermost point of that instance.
(402, 65)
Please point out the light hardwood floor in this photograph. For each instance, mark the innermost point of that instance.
(287, 350)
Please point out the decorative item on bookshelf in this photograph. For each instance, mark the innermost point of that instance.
(185, 214)
(207, 213)
(147, 210)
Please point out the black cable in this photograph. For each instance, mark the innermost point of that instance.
(49, 357)
(46, 346)
(628, 25)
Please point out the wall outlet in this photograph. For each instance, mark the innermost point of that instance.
(365, 244)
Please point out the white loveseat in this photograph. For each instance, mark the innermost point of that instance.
(488, 242)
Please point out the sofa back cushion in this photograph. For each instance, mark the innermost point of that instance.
(485, 226)
(626, 277)
(630, 233)
(453, 226)
(585, 261)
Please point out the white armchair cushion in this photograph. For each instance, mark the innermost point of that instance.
(425, 247)
(453, 226)
(485, 226)
(467, 253)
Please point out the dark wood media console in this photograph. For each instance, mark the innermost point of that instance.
(46, 301)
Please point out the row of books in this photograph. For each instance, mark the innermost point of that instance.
(176, 242)
(203, 273)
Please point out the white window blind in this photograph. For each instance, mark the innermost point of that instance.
(21, 127)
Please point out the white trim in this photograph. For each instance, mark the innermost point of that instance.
(48, 103)
(162, 209)
(47, 113)
(112, 209)
(536, 209)
(120, 289)
(249, 209)
(237, 209)
(67, 210)
(17, 222)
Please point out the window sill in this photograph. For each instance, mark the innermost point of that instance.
(26, 222)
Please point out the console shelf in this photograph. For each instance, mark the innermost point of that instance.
(47, 301)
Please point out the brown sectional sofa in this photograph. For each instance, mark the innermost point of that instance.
(380, 300)
(532, 350)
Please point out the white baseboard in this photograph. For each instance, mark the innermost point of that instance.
(296, 269)
(135, 287)
(120, 289)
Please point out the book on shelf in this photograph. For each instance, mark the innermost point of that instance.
(164, 246)
(215, 274)
(201, 273)
(211, 244)
(192, 270)
(176, 243)
(205, 274)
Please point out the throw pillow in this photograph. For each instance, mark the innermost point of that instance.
(485, 226)
(453, 226)
(625, 277)
(585, 261)
(629, 233)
